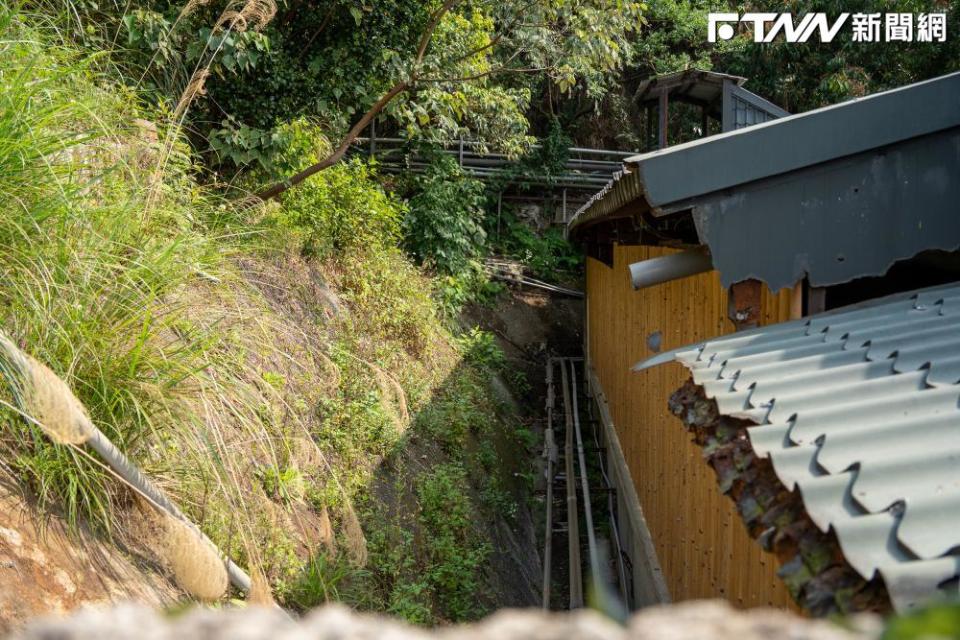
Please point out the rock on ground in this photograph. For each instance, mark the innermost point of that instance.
(706, 620)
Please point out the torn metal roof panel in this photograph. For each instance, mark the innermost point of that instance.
(860, 411)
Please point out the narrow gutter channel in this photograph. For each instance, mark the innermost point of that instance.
(604, 578)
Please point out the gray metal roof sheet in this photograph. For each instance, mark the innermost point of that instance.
(679, 173)
(699, 84)
(860, 411)
(790, 143)
(830, 195)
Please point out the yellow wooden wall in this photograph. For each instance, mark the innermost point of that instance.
(701, 542)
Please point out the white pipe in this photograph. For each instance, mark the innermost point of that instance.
(585, 488)
(648, 273)
(129, 472)
(16, 366)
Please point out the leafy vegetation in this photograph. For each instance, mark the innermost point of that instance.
(795, 76)
(342, 210)
(941, 621)
(290, 370)
(440, 70)
(805, 76)
(444, 225)
(457, 493)
(262, 364)
(547, 254)
(77, 269)
(455, 557)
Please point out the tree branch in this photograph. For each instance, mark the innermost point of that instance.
(431, 27)
(335, 157)
(275, 190)
(489, 72)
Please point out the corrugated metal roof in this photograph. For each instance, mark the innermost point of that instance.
(860, 411)
(669, 178)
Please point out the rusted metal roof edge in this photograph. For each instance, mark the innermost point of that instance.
(624, 189)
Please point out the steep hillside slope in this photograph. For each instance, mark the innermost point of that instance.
(283, 373)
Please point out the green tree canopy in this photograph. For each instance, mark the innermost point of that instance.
(438, 70)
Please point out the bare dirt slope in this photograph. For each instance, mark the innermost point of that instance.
(531, 326)
(45, 570)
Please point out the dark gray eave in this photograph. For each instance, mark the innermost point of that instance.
(798, 141)
(835, 194)
(837, 221)
(696, 85)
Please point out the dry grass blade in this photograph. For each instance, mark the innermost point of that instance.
(260, 593)
(258, 13)
(196, 564)
(325, 532)
(196, 87)
(356, 540)
(233, 20)
(392, 396)
(192, 6)
(44, 396)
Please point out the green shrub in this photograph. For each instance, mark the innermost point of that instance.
(456, 557)
(471, 285)
(548, 255)
(498, 500)
(238, 145)
(935, 622)
(341, 209)
(457, 410)
(480, 348)
(412, 601)
(443, 227)
(283, 483)
(391, 299)
(326, 579)
(338, 210)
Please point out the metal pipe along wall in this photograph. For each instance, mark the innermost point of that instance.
(666, 268)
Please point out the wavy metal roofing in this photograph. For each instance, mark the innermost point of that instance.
(860, 411)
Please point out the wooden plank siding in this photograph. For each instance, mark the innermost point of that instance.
(700, 540)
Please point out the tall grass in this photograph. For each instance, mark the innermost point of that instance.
(90, 285)
(114, 273)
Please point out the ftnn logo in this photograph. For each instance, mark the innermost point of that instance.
(767, 26)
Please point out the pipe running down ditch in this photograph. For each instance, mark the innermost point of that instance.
(579, 503)
(129, 472)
